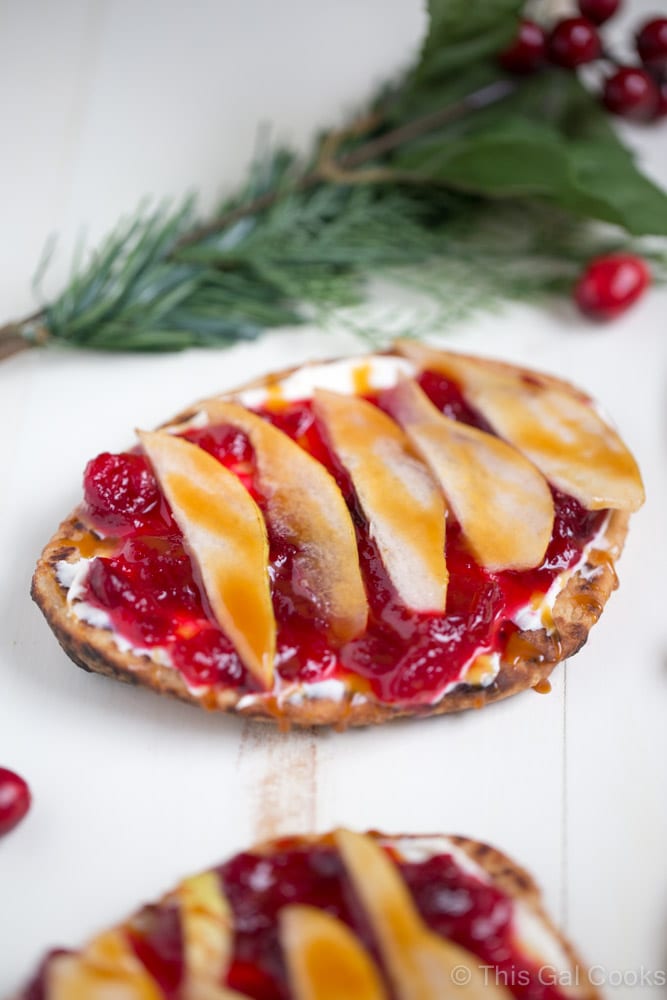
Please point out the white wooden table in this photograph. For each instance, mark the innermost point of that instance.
(103, 103)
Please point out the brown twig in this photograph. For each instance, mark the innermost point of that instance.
(14, 337)
(11, 342)
(330, 167)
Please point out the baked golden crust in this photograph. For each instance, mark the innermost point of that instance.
(531, 659)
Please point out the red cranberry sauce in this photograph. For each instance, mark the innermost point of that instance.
(149, 589)
(258, 886)
(456, 905)
(156, 938)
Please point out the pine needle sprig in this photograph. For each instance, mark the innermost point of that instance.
(142, 291)
(458, 181)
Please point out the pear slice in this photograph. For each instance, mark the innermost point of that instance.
(225, 532)
(404, 508)
(306, 506)
(421, 965)
(107, 969)
(325, 961)
(552, 424)
(502, 502)
(206, 926)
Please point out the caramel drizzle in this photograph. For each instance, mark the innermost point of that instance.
(89, 545)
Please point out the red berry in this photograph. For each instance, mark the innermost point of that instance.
(528, 50)
(632, 93)
(599, 11)
(611, 284)
(661, 108)
(573, 42)
(14, 800)
(652, 45)
(120, 491)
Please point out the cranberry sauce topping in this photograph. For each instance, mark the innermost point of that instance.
(151, 593)
(462, 908)
(454, 904)
(122, 497)
(258, 886)
(157, 941)
(448, 398)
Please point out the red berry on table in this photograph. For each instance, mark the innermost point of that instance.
(599, 11)
(661, 109)
(528, 50)
(573, 42)
(632, 93)
(611, 284)
(652, 44)
(14, 800)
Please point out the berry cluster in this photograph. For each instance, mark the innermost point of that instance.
(637, 92)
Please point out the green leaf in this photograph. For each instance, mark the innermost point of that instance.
(479, 210)
(462, 32)
(551, 140)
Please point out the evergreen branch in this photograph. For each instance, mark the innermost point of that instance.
(373, 149)
(437, 186)
(163, 282)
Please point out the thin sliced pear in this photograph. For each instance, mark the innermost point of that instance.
(421, 965)
(206, 927)
(306, 506)
(554, 426)
(225, 532)
(404, 508)
(325, 961)
(502, 502)
(107, 969)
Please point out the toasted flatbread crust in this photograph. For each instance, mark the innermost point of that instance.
(576, 610)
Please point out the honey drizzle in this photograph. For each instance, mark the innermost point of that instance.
(520, 649)
(275, 396)
(361, 379)
(602, 559)
(90, 545)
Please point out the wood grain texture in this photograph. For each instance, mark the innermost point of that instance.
(280, 778)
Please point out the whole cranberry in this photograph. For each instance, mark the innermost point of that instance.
(599, 11)
(652, 44)
(631, 93)
(528, 50)
(120, 491)
(573, 42)
(14, 800)
(661, 108)
(611, 284)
